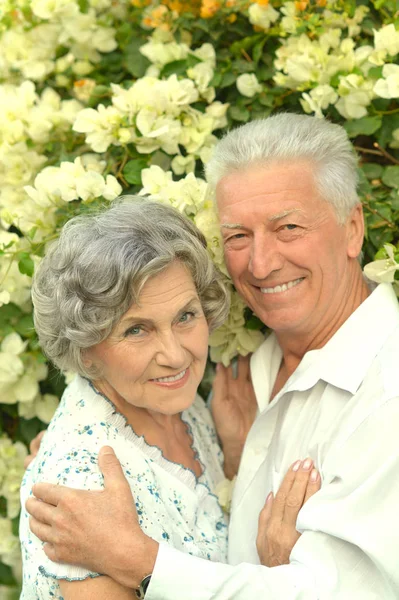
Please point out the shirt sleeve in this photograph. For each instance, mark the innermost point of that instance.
(76, 467)
(348, 546)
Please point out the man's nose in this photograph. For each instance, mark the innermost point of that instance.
(170, 351)
(265, 257)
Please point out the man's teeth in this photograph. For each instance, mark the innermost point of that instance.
(281, 288)
(173, 378)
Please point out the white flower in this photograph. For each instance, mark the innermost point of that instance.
(206, 53)
(42, 406)
(383, 271)
(10, 552)
(161, 54)
(232, 337)
(100, 125)
(356, 94)
(262, 16)
(83, 89)
(224, 492)
(248, 84)
(4, 297)
(202, 74)
(318, 99)
(183, 164)
(49, 9)
(13, 344)
(388, 87)
(154, 179)
(207, 221)
(387, 39)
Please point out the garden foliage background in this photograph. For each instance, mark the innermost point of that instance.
(100, 97)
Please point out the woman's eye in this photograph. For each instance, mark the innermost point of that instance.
(186, 317)
(135, 330)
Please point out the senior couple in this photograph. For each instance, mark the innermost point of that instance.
(325, 382)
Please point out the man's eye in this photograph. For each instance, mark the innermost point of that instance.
(236, 236)
(290, 226)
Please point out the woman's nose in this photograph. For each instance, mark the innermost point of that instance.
(170, 351)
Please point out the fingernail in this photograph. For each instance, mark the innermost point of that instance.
(314, 476)
(307, 464)
(270, 497)
(297, 465)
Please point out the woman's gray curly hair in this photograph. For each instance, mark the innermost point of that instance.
(96, 269)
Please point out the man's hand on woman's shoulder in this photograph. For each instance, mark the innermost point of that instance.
(97, 530)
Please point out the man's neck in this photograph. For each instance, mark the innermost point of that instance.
(294, 347)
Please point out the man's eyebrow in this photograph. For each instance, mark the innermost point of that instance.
(283, 214)
(232, 226)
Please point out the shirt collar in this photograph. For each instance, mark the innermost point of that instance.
(347, 356)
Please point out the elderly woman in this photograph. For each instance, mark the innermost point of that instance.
(126, 298)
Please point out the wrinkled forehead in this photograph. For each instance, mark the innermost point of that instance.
(273, 183)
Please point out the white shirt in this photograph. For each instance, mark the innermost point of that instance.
(341, 408)
(173, 505)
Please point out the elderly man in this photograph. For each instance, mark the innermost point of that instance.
(325, 381)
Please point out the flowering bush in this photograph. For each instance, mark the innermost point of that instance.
(101, 98)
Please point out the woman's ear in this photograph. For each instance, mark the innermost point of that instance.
(86, 359)
(355, 229)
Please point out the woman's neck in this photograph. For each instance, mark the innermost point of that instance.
(167, 432)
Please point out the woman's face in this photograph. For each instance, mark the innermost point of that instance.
(156, 355)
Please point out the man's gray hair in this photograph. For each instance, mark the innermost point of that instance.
(96, 269)
(293, 137)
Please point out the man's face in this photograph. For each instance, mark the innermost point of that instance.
(287, 255)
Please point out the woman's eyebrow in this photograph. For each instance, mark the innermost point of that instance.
(132, 319)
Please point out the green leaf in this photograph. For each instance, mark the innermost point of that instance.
(372, 170)
(254, 324)
(136, 64)
(258, 50)
(26, 264)
(132, 170)
(389, 124)
(244, 44)
(216, 80)
(6, 576)
(239, 113)
(391, 176)
(25, 326)
(364, 126)
(228, 79)
(193, 60)
(177, 67)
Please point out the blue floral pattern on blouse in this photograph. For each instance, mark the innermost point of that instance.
(173, 505)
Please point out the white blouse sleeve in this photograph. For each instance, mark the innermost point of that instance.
(75, 467)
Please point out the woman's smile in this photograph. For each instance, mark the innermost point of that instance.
(173, 381)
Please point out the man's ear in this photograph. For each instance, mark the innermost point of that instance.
(355, 231)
